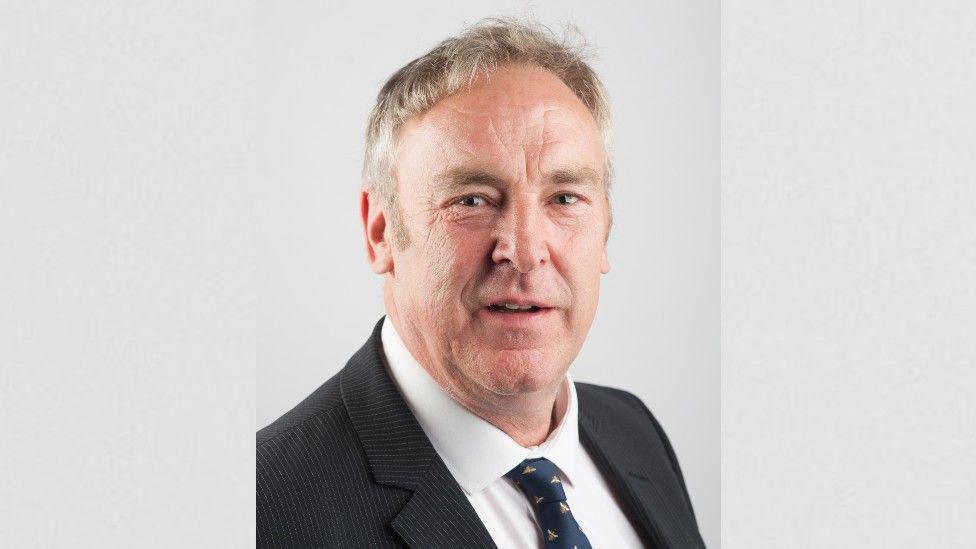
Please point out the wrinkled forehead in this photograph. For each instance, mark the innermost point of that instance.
(513, 120)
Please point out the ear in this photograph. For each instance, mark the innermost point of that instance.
(378, 251)
(605, 262)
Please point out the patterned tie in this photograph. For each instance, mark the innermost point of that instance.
(539, 481)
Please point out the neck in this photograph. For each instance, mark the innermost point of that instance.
(528, 418)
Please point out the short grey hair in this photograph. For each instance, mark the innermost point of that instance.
(455, 64)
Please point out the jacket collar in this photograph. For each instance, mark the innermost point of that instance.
(400, 454)
(653, 507)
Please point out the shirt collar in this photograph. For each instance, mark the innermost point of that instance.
(476, 452)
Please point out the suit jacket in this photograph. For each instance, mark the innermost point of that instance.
(351, 467)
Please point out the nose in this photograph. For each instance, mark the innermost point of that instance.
(521, 237)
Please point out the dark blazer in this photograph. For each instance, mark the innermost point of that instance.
(351, 467)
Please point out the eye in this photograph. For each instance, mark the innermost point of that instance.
(472, 201)
(566, 199)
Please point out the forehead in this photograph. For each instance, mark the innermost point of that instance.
(516, 119)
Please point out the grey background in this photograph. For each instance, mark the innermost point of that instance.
(656, 332)
(127, 301)
(848, 274)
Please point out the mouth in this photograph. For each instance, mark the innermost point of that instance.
(518, 314)
(508, 308)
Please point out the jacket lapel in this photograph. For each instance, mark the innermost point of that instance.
(400, 454)
(439, 515)
(651, 505)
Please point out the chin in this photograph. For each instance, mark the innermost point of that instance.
(521, 371)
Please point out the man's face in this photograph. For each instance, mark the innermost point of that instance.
(502, 198)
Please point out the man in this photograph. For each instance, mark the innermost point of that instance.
(486, 211)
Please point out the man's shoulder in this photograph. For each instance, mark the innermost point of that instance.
(323, 413)
(324, 403)
(314, 435)
(609, 406)
(307, 461)
(602, 400)
(623, 415)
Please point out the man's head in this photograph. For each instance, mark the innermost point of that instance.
(487, 186)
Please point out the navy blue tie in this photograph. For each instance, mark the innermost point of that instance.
(539, 480)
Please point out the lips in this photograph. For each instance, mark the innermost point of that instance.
(513, 308)
(518, 313)
(517, 304)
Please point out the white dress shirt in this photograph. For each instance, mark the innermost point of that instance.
(479, 454)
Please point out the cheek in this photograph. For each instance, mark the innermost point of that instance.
(581, 246)
(451, 262)
(581, 229)
(466, 243)
(581, 259)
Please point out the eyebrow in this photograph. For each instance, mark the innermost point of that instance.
(582, 176)
(454, 179)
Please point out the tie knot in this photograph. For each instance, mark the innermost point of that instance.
(539, 479)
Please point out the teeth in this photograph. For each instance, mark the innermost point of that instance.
(513, 307)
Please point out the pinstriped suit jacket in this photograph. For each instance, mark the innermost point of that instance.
(351, 467)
